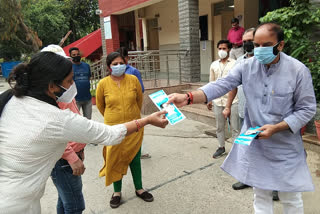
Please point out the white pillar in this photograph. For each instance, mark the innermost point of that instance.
(145, 35)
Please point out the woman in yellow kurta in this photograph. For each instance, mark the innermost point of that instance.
(119, 99)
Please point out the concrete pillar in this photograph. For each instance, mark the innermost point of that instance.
(104, 45)
(114, 43)
(137, 29)
(189, 39)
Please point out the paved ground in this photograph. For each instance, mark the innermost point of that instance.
(181, 175)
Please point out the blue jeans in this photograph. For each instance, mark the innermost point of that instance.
(69, 186)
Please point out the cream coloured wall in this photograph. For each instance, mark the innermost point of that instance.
(168, 20)
(249, 10)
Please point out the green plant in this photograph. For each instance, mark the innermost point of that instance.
(93, 92)
(299, 21)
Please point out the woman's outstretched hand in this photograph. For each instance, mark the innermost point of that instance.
(179, 100)
(158, 119)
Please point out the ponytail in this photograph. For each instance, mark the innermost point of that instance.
(19, 79)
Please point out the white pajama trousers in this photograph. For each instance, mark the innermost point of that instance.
(291, 201)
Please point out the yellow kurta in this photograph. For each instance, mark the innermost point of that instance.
(119, 104)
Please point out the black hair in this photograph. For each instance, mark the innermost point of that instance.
(34, 77)
(73, 49)
(274, 28)
(112, 56)
(123, 51)
(225, 41)
(234, 20)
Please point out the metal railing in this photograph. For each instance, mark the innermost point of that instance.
(98, 72)
(158, 68)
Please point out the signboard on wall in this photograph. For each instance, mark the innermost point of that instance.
(107, 28)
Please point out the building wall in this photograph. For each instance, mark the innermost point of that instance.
(109, 7)
(168, 20)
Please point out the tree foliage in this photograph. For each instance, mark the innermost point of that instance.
(81, 17)
(27, 25)
(47, 19)
(299, 22)
(14, 28)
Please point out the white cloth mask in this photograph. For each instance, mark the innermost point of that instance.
(222, 54)
(69, 94)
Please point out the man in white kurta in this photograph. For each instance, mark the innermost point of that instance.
(218, 69)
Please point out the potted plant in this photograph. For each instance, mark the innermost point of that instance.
(93, 96)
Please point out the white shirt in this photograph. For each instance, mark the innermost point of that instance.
(219, 70)
(33, 136)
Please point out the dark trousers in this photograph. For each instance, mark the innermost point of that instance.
(69, 186)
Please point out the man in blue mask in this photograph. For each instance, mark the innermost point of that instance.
(281, 100)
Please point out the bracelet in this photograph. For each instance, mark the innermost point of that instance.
(188, 98)
(190, 101)
(138, 125)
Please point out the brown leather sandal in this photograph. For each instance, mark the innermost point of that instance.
(148, 197)
(115, 201)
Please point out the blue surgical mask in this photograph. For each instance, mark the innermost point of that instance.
(266, 55)
(118, 70)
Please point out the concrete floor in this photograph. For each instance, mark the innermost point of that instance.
(181, 175)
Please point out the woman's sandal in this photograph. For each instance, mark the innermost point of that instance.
(145, 196)
(115, 201)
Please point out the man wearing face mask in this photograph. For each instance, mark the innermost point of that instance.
(68, 170)
(218, 69)
(248, 47)
(281, 100)
(235, 37)
(81, 77)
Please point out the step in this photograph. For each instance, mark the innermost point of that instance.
(310, 138)
(200, 113)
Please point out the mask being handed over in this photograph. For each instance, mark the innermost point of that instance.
(222, 54)
(68, 94)
(118, 70)
(266, 55)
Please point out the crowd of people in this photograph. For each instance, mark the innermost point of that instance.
(253, 83)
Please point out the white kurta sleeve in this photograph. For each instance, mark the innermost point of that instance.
(79, 129)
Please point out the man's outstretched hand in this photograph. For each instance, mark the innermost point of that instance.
(179, 100)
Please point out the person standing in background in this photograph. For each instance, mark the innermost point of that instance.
(81, 77)
(235, 37)
(222, 110)
(133, 71)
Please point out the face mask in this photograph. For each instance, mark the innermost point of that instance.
(248, 47)
(222, 54)
(266, 55)
(118, 70)
(76, 58)
(68, 94)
